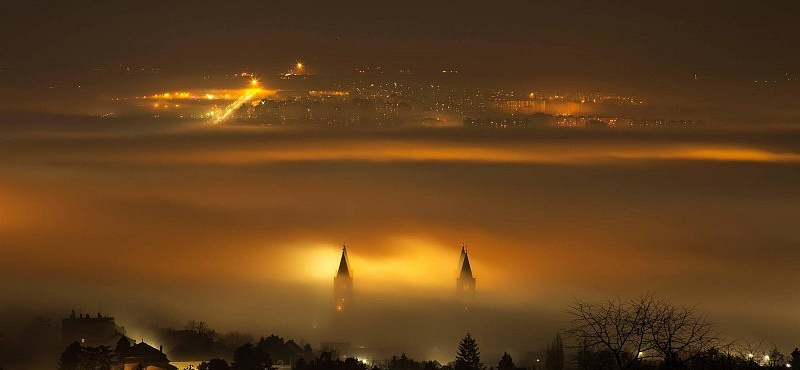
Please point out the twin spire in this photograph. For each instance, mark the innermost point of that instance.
(343, 281)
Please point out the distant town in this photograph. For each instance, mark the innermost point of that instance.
(369, 98)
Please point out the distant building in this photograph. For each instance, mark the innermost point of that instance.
(465, 283)
(141, 356)
(343, 283)
(90, 331)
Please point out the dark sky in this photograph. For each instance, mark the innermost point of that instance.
(577, 39)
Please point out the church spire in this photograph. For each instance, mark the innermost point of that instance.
(465, 283)
(343, 282)
(466, 269)
(344, 263)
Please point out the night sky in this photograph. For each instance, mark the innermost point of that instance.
(624, 40)
(242, 227)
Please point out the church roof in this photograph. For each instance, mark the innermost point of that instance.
(344, 265)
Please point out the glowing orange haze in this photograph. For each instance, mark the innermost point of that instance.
(414, 149)
(546, 216)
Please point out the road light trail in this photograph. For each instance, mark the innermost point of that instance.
(223, 115)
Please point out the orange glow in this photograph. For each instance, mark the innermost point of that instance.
(413, 262)
(17, 212)
(226, 94)
(399, 151)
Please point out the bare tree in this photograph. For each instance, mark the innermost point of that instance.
(587, 358)
(642, 328)
(776, 358)
(616, 326)
(749, 352)
(679, 334)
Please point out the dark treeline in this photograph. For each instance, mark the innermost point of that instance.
(638, 334)
(653, 334)
(711, 359)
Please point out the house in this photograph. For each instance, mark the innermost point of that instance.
(141, 356)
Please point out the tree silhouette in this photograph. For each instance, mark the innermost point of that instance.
(555, 354)
(776, 358)
(586, 358)
(506, 363)
(97, 358)
(197, 326)
(430, 365)
(71, 358)
(247, 357)
(77, 357)
(469, 356)
(353, 364)
(308, 352)
(642, 328)
(619, 327)
(300, 364)
(795, 359)
(679, 334)
(403, 363)
(214, 364)
(328, 361)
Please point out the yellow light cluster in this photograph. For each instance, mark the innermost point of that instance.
(328, 93)
(165, 106)
(185, 95)
(173, 95)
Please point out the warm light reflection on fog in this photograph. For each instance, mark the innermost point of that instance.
(407, 263)
(249, 152)
(224, 224)
(391, 151)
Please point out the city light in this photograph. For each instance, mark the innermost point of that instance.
(233, 107)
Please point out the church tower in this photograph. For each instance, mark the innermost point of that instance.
(465, 284)
(343, 283)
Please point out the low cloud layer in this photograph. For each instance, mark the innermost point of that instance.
(243, 227)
